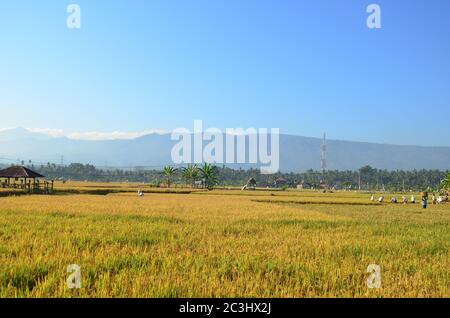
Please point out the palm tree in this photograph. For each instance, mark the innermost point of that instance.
(209, 175)
(168, 172)
(445, 183)
(190, 173)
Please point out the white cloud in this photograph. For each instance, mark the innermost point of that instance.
(95, 135)
(48, 131)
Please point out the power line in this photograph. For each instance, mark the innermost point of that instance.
(61, 164)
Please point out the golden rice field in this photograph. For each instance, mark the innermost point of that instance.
(222, 243)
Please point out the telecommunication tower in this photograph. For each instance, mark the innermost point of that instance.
(323, 155)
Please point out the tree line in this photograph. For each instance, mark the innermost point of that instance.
(365, 178)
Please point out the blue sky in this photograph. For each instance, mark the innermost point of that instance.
(302, 66)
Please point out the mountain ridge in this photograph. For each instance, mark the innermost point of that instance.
(297, 153)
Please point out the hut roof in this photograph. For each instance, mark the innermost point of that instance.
(19, 172)
(280, 180)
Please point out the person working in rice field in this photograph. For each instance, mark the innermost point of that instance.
(424, 202)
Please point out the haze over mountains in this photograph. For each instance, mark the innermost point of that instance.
(154, 150)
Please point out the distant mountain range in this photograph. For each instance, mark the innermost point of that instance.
(154, 150)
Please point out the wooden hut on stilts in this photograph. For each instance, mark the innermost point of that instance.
(19, 177)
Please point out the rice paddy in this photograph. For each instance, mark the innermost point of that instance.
(221, 243)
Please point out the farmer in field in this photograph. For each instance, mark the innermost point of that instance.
(424, 202)
(405, 200)
(380, 199)
(413, 199)
(140, 193)
(372, 198)
(394, 200)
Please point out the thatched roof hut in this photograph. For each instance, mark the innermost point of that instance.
(250, 185)
(28, 180)
(19, 172)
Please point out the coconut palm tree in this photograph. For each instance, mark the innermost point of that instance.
(168, 172)
(445, 183)
(190, 173)
(209, 174)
